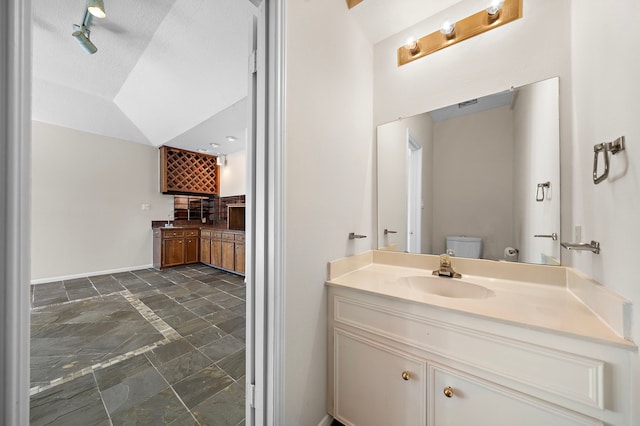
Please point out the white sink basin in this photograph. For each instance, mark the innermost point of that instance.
(446, 287)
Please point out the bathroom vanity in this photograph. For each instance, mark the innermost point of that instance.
(506, 344)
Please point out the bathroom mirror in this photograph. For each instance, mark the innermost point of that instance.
(487, 169)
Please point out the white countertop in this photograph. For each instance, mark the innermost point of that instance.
(546, 306)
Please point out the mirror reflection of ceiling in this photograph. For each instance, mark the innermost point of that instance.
(472, 106)
(165, 72)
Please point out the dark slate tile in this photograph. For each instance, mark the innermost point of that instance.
(171, 350)
(240, 334)
(205, 336)
(162, 408)
(221, 316)
(230, 302)
(240, 292)
(133, 390)
(185, 420)
(222, 348)
(200, 386)
(183, 366)
(114, 374)
(74, 403)
(180, 318)
(224, 408)
(81, 293)
(234, 364)
(186, 296)
(230, 325)
(49, 299)
(47, 368)
(134, 342)
(240, 310)
(108, 287)
(192, 326)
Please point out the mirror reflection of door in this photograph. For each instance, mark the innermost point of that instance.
(414, 195)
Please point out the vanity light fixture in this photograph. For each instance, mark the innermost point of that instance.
(96, 8)
(413, 46)
(497, 13)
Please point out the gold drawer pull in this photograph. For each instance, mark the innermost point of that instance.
(448, 391)
(406, 375)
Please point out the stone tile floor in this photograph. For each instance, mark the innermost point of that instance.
(141, 347)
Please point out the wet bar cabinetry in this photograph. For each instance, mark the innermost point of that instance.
(174, 247)
(223, 249)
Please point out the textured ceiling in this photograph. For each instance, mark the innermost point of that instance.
(163, 68)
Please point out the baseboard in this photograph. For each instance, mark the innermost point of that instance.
(89, 274)
(326, 421)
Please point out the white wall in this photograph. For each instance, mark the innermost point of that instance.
(391, 143)
(233, 175)
(536, 160)
(473, 180)
(328, 183)
(605, 105)
(87, 193)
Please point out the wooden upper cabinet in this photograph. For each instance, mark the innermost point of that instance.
(187, 172)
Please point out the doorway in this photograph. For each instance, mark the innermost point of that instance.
(414, 194)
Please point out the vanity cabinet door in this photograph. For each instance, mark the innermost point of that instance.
(191, 250)
(458, 399)
(205, 249)
(376, 385)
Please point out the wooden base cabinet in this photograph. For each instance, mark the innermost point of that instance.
(223, 249)
(395, 362)
(175, 247)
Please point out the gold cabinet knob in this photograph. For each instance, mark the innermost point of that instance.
(406, 375)
(448, 391)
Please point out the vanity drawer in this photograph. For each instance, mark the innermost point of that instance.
(240, 237)
(191, 233)
(538, 370)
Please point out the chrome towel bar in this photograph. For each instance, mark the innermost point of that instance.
(605, 148)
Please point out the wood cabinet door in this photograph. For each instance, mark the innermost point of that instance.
(228, 255)
(240, 260)
(205, 250)
(216, 252)
(191, 250)
(173, 252)
(460, 399)
(375, 385)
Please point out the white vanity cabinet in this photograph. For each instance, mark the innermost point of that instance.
(456, 398)
(393, 383)
(397, 362)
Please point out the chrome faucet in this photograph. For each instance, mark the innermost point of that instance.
(446, 270)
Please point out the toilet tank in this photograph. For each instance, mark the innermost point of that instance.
(459, 246)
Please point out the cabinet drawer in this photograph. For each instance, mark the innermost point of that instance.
(206, 233)
(216, 234)
(240, 237)
(229, 236)
(172, 233)
(538, 370)
(191, 233)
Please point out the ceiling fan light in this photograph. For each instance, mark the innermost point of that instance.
(96, 8)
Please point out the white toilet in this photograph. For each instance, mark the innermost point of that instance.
(470, 247)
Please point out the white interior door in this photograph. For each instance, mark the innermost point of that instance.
(414, 194)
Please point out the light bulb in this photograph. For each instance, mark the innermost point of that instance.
(448, 28)
(495, 7)
(413, 46)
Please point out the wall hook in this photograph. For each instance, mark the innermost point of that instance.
(606, 147)
(540, 191)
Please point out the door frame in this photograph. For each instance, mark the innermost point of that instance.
(15, 215)
(414, 194)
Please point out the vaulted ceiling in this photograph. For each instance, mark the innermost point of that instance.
(169, 72)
